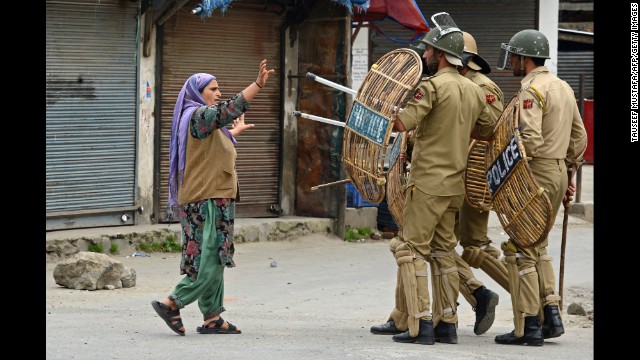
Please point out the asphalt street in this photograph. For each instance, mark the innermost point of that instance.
(317, 303)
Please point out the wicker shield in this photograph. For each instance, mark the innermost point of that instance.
(368, 127)
(523, 207)
(475, 180)
(397, 180)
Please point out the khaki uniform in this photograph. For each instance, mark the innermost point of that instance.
(553, 136)
(472, 224)
(444, 110)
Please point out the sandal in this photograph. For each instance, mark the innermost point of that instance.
(217, 328)
(171, 317)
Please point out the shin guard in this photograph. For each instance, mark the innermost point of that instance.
(547, 280)
(547, 283)
(404, 259)
(523, 286)
(444, 275)
(399, 314)
(468, 283)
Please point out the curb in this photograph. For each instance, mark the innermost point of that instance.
(583, 210)
(62, 245)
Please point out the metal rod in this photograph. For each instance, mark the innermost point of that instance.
(290, 76)
(318, 118)
(331, 184)
(328, 121)
(317, 78)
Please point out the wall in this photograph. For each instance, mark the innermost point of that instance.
(146, 129)
(548, 25)
(324, 46)
(290, 127)
(360, 58)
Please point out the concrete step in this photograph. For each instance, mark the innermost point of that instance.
(64, 243)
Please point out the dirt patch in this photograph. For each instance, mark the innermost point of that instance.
(582, 298)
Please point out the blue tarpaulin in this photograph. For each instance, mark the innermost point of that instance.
(209, 5)
(360, 5)
(405, 12)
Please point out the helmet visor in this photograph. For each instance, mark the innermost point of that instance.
(444, 23)
(442, 20)
(504, 59)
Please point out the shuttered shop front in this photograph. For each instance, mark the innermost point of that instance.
(229, 46)
(490, 22)
(91, 113)
(573, 64)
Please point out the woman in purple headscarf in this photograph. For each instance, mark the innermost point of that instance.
(203, 186)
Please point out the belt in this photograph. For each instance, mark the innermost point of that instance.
(545, 159)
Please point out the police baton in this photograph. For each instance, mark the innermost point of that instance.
(563, 245)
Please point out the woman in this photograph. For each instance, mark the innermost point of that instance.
(203, 188)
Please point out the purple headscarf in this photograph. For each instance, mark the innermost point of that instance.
(188, 101)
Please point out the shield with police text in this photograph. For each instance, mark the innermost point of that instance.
(366, 154)
(522, 205)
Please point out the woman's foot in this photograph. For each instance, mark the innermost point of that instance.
(211, 323)
(217, 325)
(169, 312)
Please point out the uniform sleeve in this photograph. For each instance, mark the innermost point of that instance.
(419, 106)
(578, 141)
(206, 119)
(494, 100)
(530, 122)
(486, 122)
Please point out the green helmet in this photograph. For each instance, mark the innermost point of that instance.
(420, 48)
(531, 43)
(447, 39)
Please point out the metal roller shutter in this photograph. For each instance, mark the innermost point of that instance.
(572, 64)
(230, 47)
(490, 22)
(91, 112)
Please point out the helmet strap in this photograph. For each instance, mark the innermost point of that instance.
(522, 65)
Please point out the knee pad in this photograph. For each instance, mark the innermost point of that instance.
(492, 251)
(394, 243)
(484, 260)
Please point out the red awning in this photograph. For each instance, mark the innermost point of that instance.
(405, 12)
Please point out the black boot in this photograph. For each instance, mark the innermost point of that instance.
(552, 326)
(532, 334)
(389, 328)
(425, 335)
(485, 309)
(446, 333)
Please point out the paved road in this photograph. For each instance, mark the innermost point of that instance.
(318, 303)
